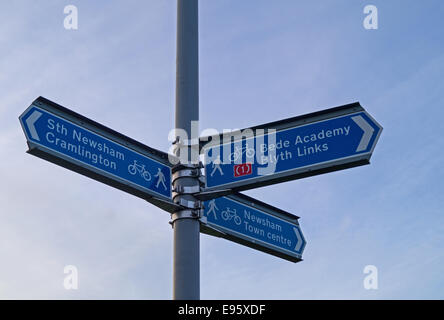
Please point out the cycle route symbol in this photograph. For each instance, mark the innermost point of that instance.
(139, 168)
(227, 215)
(239, 152)
(230, 214)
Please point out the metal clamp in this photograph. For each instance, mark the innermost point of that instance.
(189, 204)
(186, 142)
(183, 166)
(179, 144)
(181, 190)
(184, 214)
(187, 189)
(186, 173)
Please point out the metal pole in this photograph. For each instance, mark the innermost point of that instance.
(186, 260)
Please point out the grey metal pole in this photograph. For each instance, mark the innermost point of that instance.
(186, 260)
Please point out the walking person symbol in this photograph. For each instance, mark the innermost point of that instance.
(213, 207)
(161, 179)
(216, 166)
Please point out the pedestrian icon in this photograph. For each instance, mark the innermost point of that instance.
(212, 206)
(216, 166)
(161, 178)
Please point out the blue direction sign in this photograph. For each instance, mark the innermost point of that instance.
(255, 224)
(59, 135)
(325, 141)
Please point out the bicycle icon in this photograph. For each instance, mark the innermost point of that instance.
(239, 151)
(228, 214)
(134, 168)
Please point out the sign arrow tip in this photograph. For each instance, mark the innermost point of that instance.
(299, 241)
(32, 119)
(368, 132)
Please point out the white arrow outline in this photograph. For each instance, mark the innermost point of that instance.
(300, 238)
(368, 132)
(30, 123)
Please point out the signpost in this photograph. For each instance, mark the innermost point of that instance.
(66, 138)
(321, 142)
(255, 224)
(185, 222)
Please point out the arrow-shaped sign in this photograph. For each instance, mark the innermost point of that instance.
(255, 224)
(299, 147)
(66, 138)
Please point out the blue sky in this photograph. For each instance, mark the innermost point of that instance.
(260, 61)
